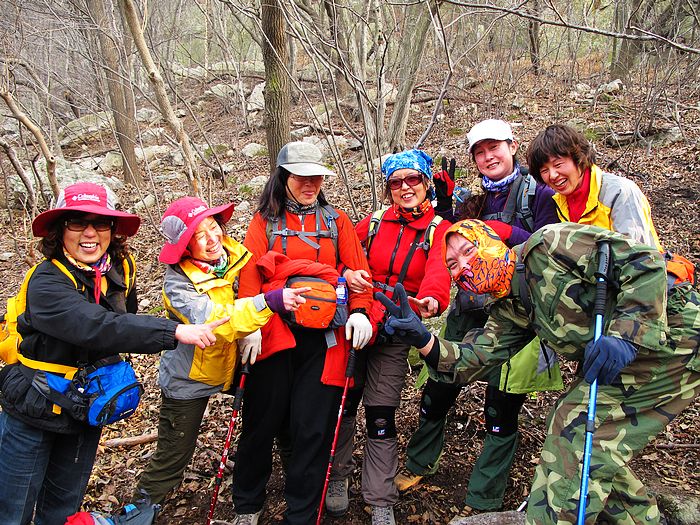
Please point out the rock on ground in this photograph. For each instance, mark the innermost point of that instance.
(511, 517)
(680, 510)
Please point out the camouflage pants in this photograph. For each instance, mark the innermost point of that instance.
(651, 392)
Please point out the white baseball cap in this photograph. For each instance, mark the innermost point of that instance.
(493, 129)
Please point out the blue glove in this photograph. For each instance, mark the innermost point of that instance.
(605, 358)
(403, 322)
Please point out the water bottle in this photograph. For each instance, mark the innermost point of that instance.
(341, 291)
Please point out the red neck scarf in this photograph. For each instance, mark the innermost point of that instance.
(577, 200)
(411, 214)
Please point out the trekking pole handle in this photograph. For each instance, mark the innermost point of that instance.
(238, 396)
(602, 277)
(350, 369)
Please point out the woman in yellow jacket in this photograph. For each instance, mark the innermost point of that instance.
(564, 160)
(203, 267)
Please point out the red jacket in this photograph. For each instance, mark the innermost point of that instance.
(426, 275)
(276, 335)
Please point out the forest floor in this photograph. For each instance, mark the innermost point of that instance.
(668, 173)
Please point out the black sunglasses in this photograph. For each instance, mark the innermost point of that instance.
(78, 225)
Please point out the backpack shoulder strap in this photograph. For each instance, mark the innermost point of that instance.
(430, 233)
(331, 216)
(373, 227)
(129, 265)
(16, 304)
(527, 201)
(329, 212)
(65, 270)
(272, 230)
(510, 209)
(425, 242)
(278, 228)
(523, 291)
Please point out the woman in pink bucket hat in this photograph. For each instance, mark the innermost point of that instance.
(80, 306)
(203, 268)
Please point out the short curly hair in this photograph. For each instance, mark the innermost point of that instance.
(559, 140)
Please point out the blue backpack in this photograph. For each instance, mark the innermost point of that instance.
(98, 395)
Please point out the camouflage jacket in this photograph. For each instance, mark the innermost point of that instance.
(560, 265)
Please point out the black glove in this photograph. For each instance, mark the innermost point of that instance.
(403, 322)
(445, 184)
(605, 359)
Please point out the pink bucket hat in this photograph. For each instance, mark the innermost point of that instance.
(86, 197)
(180, 221)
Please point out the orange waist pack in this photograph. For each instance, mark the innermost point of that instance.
(321, 310)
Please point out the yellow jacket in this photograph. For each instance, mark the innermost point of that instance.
(193, 296)
(617, 204)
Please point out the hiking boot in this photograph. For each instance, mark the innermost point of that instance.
(405, 480)
(337, 502)
(383, 515)
(246, 519)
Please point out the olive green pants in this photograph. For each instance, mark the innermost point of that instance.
(489, 478)
(178, 428)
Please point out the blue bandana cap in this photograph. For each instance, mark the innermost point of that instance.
(412, 159)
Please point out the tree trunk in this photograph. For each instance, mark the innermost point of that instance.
(128, 79)
(628, 50)
(339, 55)
(277, 99)
(533, 32)
(156, 80)
(17, 165)
(124, 121)
(412, 50)
(295, 93)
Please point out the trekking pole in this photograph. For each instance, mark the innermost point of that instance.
(523, 505)
(237, 401)
(349, 372)
(599, 312)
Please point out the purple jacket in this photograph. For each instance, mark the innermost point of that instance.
(544, 212)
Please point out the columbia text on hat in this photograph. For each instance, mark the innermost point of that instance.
(303, 159)
(493, 129)
(180, 221)
(86, 197)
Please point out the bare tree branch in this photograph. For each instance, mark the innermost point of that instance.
(517, 11)
(34, 129)
(17, 165)
(161, 95)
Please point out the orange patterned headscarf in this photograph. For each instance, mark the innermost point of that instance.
(491, 271)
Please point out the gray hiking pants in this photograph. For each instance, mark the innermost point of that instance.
(379, 379)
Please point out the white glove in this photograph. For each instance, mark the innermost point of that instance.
(250, 346)
(359, 328)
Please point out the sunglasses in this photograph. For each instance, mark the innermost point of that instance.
(100, 225)
(412, 180)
